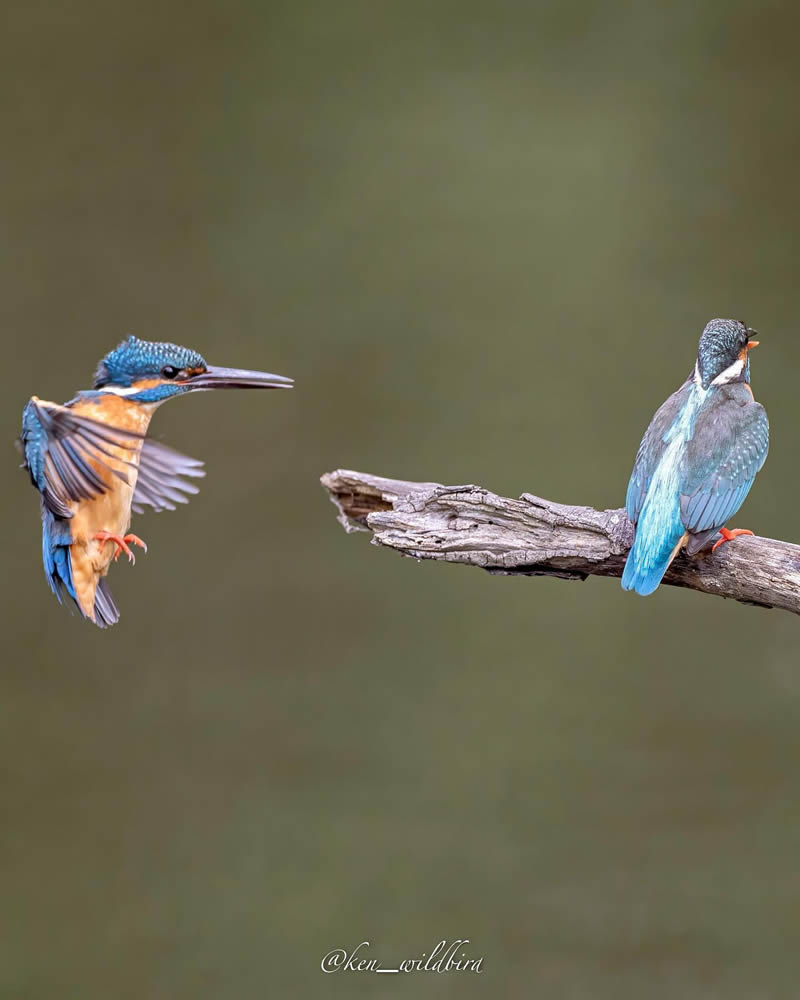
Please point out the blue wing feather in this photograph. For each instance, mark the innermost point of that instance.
(652, 499)
(57, 446)
(651, 450)
(696, 488)
(723, 458)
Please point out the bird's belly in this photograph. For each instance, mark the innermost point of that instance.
(110, 512)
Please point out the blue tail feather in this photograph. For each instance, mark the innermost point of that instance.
(56, 540)
(651, 552)
(644, 580)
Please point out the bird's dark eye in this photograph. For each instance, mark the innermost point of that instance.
(169, 371)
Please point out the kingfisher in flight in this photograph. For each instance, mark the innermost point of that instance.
(93, 463)
(698, 458)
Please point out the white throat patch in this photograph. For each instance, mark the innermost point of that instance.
(119, 390)
(730, 373)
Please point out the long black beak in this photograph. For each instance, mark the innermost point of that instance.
(236, 378)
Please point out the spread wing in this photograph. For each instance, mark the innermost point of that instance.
(160, 483)
(63, 451)
(651, 449)
(727, 450)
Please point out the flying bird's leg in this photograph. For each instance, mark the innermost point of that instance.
(728, 536)
(121, 543)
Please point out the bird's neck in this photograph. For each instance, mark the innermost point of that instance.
(116, 411)
(739, 371)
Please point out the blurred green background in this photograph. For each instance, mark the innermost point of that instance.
(484, 239)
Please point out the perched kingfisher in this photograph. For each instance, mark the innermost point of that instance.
(92, 462)
(698, 458)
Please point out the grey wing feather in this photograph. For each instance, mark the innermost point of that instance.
(650, 451)
(726, 452)
(161, 483)
(60, 447)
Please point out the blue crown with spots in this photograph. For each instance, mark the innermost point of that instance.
(136, 359)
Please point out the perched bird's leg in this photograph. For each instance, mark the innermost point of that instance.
(728, 536)
(121, 543)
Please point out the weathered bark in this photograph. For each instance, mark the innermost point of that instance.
(536, 537)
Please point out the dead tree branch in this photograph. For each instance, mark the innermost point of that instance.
(536, 537)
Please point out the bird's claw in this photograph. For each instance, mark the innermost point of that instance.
(121, 543)
(728, 536)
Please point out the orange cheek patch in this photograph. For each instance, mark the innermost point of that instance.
(147, 383)
(189, 373)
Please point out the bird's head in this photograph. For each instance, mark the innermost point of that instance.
(150, 372)
(722, 355)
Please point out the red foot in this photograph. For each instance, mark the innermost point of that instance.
(728, 536)
(120, 542)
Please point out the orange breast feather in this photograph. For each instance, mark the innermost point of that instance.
(111, 511)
